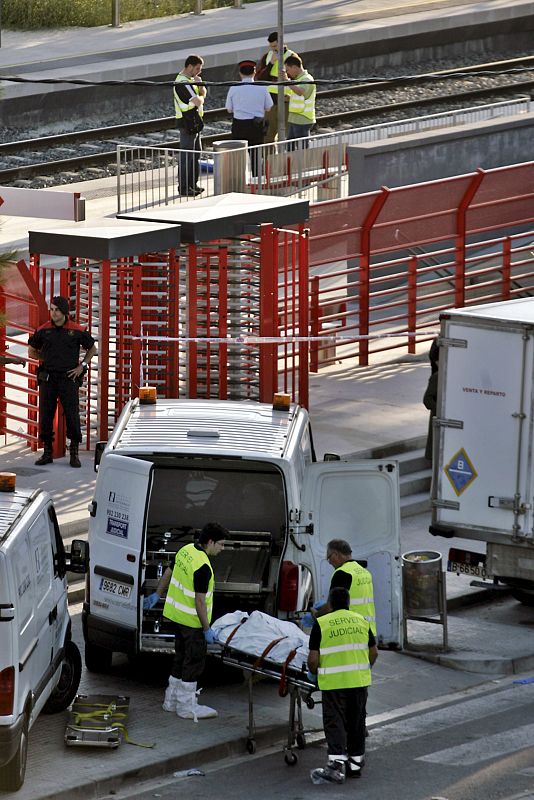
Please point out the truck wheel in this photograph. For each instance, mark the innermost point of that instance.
(97, 659)
(524, 596)
(69, 680)
(12, 774)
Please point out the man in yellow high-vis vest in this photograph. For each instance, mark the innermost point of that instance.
(349, 574)
(301, 101)
(189, 604)
(342, 651)
(189, 94)
(268, 69)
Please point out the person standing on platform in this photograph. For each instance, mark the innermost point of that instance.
(342, 651)
(248, 104)
(189, 605)
(189, 98)
(56, 345)
(301, 102)
(268, 69)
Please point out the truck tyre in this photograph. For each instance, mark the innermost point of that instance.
(12, 774)
(69, 680)
(524, 596)
(97, 659)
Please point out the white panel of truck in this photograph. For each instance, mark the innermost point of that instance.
(359, 502)
(481, 465)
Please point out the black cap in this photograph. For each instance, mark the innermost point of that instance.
(62, 303)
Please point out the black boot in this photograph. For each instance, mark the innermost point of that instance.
(46, 458)
(74, 460)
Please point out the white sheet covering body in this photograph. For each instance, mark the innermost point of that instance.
(257, 632)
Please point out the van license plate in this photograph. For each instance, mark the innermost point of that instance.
(112, 587)
(472, 570)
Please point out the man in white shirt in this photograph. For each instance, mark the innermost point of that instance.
(248, 104)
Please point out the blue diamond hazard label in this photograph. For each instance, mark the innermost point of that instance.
(460, 472)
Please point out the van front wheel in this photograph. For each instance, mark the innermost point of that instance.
(97, 659)
(69, 680)
(12, 774)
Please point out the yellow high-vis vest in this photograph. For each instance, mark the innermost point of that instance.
(344, 651)
(303, 105)
(361, 591)
(179, 106)
(180, 602)
(274, 70)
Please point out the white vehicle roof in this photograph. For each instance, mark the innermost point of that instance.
(12, 504)
(206, 426)
(520, 310)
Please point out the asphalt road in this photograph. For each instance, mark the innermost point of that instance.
(475, 748)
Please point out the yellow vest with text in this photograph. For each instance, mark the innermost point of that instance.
(361, 591)
(303, 105)
(180, 601)
(274, 69)
(179, 106)
(344, 651)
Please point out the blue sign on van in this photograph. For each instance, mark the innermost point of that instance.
(460, 472)
(117, 527)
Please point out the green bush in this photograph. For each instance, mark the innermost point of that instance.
(34, 14)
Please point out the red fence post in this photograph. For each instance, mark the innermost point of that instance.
(506, 268)
(412, 303)
(137, 342)
(173, 352)
(365, 265)
(461, 228)
(192, 320)
(303, 257)
(314, 323)
(103, 351)
(223, 322)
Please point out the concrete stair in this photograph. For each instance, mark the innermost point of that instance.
(415, 471)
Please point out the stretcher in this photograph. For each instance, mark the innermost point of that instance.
(97, 720)
(290, 672)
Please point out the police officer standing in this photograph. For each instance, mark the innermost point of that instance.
(248, 104)
(189, 605)
(342, 651)
(189, 96)
(56, 345)
(351, 576)
(268, 69)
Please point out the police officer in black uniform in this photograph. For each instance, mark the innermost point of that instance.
(56, 345)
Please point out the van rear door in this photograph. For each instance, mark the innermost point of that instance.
(116, 531)
(360, 502)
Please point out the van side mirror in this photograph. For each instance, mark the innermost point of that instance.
(78, 557)
(99, 449)
(331, 457)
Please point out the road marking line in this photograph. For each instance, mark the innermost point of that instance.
(484, 749)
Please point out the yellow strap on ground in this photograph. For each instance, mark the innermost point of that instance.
(109, 713)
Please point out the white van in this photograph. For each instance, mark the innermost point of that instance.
(40, 666)
(171, 467)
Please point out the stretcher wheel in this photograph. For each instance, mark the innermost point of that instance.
(310, 702)
(300, 739)
(251, 746)
(291, 759)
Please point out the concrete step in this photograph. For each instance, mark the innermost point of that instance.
(413, 461)
(415, 504)
(392, 450)
(415, 482)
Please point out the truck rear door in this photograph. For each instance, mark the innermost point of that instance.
(482, 444)
(116, 531)
(359, 502)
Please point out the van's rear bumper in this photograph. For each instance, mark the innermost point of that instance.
(9, 740)
(109, 635)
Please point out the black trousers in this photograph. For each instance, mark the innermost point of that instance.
(59, 387)
(344, 720)
(253, 133)
(189, 653)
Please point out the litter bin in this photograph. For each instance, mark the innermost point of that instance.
(423, 589)
(421, 577)
(229, 165)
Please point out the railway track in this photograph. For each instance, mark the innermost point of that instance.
(49, 155)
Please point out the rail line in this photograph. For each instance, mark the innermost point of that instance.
(57, 160)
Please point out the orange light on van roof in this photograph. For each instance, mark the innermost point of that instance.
(147, 395)
(8, 481)
(281, 401)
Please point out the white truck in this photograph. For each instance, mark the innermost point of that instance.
(40, 665)
(171, 467)
(483, 469)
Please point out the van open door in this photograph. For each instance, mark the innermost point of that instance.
(118, 520)
(358, 501)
